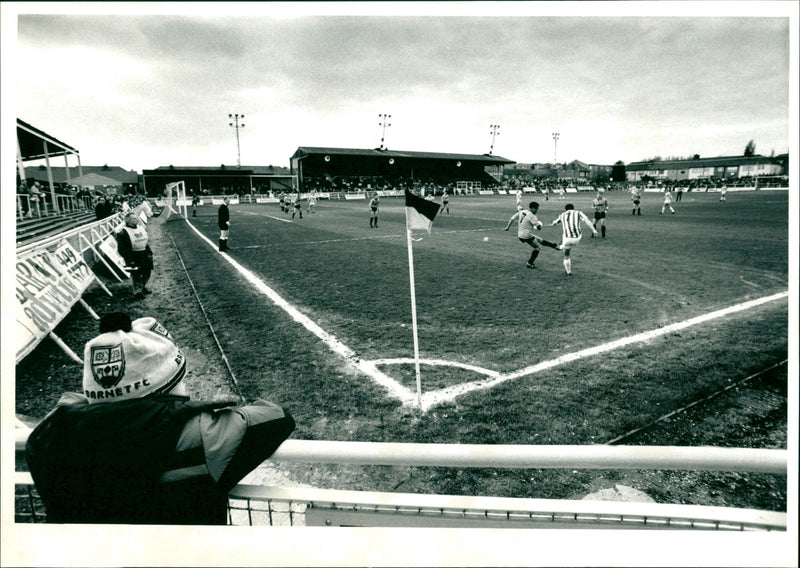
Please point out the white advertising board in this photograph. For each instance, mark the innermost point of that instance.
(108, 247)
(48, 284)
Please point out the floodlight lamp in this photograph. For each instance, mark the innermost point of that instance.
(391, 161)
(327, 158)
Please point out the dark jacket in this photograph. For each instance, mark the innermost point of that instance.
(223, 216)
(157, 460)
(102, 210)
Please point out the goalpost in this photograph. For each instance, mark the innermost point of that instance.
(176, 194)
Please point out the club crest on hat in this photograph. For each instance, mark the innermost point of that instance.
(160, 330)
(108, 365)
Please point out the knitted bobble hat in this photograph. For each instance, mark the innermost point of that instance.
(132, 362)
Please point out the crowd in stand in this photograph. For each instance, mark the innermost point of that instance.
(717, 182)
(428, 185)
(518, 181)
(33, 197)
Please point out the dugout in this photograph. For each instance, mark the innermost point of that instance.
(349, 168)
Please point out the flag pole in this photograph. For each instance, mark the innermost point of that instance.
(414, 316)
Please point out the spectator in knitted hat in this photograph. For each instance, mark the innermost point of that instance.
(133, 449)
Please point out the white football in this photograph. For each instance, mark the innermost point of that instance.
(485, 238)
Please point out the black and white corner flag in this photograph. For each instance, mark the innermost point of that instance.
(420, 212)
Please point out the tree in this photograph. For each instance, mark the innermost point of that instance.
(618, 171)
(750, 149)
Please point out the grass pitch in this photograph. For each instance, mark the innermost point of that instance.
(478, 304)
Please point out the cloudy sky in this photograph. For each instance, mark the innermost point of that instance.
(142, 90)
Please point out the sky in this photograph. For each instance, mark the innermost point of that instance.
(142, 89)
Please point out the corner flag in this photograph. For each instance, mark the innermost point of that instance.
(419, 215)
(420, 212)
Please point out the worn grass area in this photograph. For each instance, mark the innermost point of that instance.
(478, 304)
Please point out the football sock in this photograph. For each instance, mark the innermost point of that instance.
(603, 230)
(568, 265)
(534, 254)
(549, 244)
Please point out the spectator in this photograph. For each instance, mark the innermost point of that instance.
(37, 197)
(133, 246)
(25, 201)
(103, 208)
(133, 449)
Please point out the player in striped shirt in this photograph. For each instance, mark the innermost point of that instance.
(527, 224)
(570, 221)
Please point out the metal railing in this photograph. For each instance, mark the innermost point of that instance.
(27, 207)
(301, 506)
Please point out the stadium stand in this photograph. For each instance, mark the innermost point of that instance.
(31, 230)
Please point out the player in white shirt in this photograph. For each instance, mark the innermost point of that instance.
(312, 202)
(373, 211)
(570, 221)
(636, 197)
(600, 206)
(667, 202)
(527, 224)
(723, 192)
(445, 208)
(519, 198)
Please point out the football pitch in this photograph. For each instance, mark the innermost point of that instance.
(481, 310)
(667, 309)
(658, 285)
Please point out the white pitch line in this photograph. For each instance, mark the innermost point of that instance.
(264, 215)
(444, 395)
(434, 398)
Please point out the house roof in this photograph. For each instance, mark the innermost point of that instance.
(577, 165)
(245, 170)
(116, 173)
(720, 161)
(93, 179)
(304, 151)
